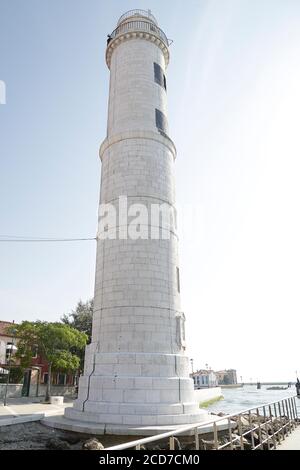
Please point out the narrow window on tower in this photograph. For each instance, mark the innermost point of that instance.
(161, 121)
(178, 279)
(159, 76)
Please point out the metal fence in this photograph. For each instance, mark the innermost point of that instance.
(263, 427)
(130, 13)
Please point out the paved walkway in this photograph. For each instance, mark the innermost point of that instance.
(18, 408)
(292, 442)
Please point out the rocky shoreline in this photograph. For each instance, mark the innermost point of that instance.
(248, 431)
(36, 436)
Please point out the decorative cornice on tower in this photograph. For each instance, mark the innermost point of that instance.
(137, 28)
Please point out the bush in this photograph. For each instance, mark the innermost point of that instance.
(16, 375)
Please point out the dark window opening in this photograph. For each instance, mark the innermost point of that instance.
(159, 76)
(34, 352)
(178, 279)
(161, 120)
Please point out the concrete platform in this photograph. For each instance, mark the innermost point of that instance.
(24, 410)
(60, 422)
(21, 419)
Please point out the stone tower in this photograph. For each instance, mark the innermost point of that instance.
(136, 371)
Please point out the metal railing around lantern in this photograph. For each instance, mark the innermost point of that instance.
(137, 25)
(142, 13)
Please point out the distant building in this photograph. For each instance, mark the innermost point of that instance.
(2, 351)
(227, 377)
(7, 342)
(204, 378)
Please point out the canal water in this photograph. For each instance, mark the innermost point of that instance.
(239, 399)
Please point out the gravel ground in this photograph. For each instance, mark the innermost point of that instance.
(37, 436)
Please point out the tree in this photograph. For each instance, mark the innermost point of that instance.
(81, 317)
(53, 343)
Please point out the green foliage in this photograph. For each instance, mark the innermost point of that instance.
(65, 361)
(3, 379)
(81, 318)
(16, 375)
(207, 403)
(53, 341)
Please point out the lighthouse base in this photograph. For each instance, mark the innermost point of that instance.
(136, 389)
(92, 428)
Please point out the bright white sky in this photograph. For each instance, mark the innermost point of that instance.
(234, 101)
(239, 162)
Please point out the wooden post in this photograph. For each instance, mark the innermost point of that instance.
(216, 443)
(240, 428)
(282, 429)
(295, 406)
(172, 443)
(272, 427)
(230, 433)
(196, 439)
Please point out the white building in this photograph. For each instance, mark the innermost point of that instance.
(2, 352)
(136, 371)
(205, 378)
(7, 342)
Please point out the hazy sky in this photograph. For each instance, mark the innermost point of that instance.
(234, 105)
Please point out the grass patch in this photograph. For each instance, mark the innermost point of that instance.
(205, 404)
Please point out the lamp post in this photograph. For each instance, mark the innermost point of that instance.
(11, 348)
(192, 364)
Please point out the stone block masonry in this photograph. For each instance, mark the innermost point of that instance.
(136, 371)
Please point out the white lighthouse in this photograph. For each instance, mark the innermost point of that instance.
(136, 371)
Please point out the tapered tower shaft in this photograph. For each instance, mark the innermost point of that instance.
(136, 371)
